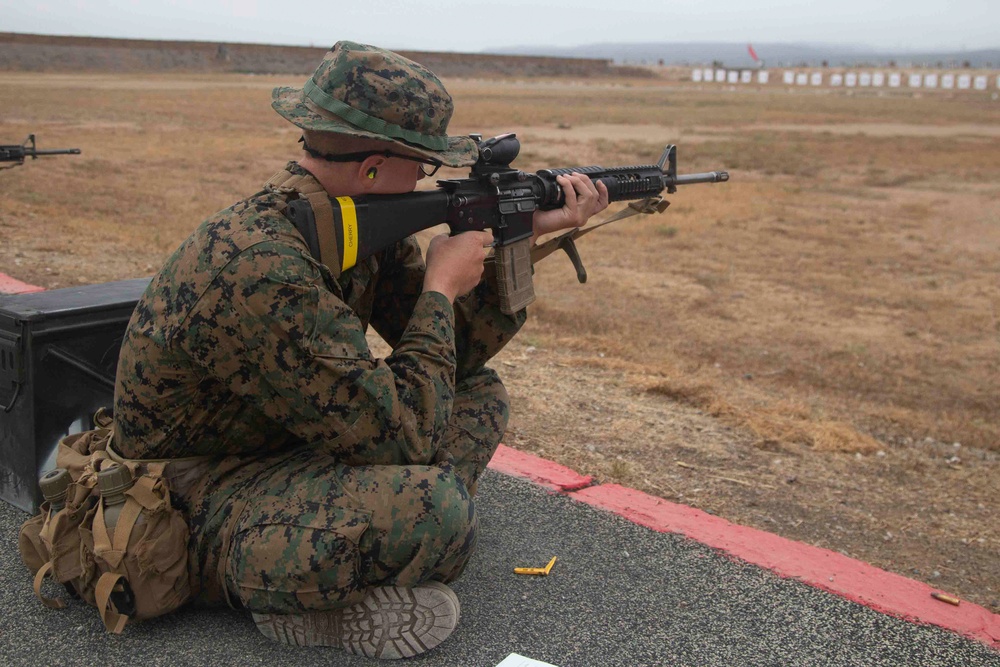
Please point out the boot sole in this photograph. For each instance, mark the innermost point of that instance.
(390, 623)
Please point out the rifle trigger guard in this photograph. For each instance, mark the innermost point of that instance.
(566, 243)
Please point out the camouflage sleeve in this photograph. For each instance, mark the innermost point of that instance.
(400, 283)
(481, 330)
(277, 337)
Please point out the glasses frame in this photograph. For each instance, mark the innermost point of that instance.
(428, 166)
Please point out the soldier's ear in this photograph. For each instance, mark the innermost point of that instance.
(367, 173)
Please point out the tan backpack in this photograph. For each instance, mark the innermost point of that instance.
(137, 570)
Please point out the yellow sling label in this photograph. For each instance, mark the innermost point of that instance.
(349, 216)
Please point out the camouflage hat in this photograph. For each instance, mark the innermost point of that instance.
(364, 91)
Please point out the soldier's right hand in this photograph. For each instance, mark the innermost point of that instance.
(455, 263)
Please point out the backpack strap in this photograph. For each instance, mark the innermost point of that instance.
(305, 186)
(112, 550)
(112, 620)
(46, 570)
(163, 464)
(51, 603)
(148, 492)
(112, 547)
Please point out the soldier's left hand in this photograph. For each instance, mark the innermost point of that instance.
(583, 199)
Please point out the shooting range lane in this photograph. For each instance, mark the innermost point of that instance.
(828, 570)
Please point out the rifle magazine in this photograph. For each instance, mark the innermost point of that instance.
(514, 270)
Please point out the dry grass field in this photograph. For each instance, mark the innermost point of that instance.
(812, 348)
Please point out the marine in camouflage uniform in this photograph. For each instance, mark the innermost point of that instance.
(332, 471)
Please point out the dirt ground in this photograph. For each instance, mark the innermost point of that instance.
(812, 348)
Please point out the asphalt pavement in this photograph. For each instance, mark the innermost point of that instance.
(619, 594)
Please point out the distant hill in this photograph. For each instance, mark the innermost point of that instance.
(773, 54)
(27, 52)
(41, 53)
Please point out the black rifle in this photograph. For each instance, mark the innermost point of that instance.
(497, 197)
(16, 153)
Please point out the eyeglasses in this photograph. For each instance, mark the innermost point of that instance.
(429, 166)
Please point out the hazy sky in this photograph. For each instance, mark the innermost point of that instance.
(472, 26)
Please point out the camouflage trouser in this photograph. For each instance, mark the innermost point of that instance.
(301, 531)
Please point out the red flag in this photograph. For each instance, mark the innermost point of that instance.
(753, 54)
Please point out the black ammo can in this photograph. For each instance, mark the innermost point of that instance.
(58, 357)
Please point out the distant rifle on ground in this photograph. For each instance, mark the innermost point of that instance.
(16, 153)
(496, 197)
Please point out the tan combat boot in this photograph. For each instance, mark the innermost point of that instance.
(391, 622)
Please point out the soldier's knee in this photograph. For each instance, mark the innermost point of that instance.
(454, 509)
(484, 392)
(500, 398)
(487, 383)
(431, 531)
(457, 528)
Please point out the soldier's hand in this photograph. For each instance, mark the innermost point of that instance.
(455, 263)
(583, 199)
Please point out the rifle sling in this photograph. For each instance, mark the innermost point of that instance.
(320, 238)
(651, 205)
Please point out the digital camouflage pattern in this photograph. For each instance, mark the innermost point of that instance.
(334, 470)
(365, 91)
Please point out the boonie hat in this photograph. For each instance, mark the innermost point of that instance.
(365, 91)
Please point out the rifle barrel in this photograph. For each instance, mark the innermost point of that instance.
(56, 151)
(707, 177)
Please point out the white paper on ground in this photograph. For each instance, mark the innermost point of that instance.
(515, 660)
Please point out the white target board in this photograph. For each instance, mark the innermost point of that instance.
(998, 81)
(836, 79)
(816, 79)
(746, 76)
(850, 79)
(801, 79)
(930, 81)
(964, 81)
(720, 75)
(878, 79)
(788, 78)
(707, 75)
(980, 83)
(948, 81)
(733, 77)
(895, 80)
(865, 79)
(762, 76)
(696, 76)
(915, 80)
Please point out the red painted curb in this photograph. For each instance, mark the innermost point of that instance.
(863, 583)
(10, 285)
(833, 572)
(546, 473)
